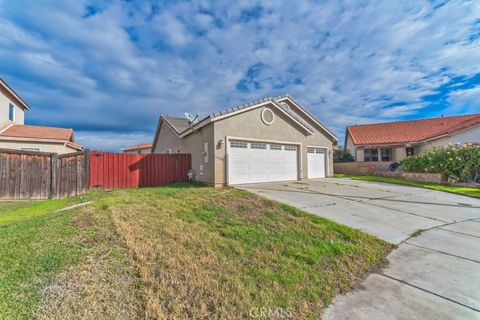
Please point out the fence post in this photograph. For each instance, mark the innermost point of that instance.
(53, 175)
(87, 169)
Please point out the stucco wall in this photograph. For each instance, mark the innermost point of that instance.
(19, 113)
(59, 148)
(167, 139)
(471, 135)
(249, 125)
(350, 147)
(193, 144)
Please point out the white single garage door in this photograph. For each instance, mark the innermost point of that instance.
(316, 162)
(251, 162)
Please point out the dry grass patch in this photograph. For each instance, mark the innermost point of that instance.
(217, 253)
(105, 285)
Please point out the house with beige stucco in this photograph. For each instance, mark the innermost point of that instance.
(15, 135)
(393, 141)
(144, 148)
(272, 139)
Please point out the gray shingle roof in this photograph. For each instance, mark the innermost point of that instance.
(179, 124)
(245, 105)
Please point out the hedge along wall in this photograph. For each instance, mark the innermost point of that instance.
(456, 163)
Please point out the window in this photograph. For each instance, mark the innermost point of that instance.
(386, 154)
(370, 155)
(310, 150)
(258, 146)
(409, 151)
(205, 152)
(275, 147)
(236, 144)
(267, 116)
(11, 112)
(30, 149)
(290, 148)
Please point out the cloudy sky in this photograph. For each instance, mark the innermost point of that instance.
(109, 69)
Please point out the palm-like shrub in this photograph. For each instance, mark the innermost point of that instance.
(457, 163)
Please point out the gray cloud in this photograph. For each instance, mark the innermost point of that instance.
(110, 70)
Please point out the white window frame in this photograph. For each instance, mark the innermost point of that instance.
(12, 107)
(205, 152)
(268, 123)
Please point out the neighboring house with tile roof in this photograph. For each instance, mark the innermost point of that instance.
(144, 148)
(15, 135)
(271, 139)
(393, 141)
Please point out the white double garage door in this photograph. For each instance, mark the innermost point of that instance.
(252, 162)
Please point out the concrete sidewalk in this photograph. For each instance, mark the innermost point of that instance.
(433, 275)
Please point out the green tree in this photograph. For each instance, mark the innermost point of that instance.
(342, 155)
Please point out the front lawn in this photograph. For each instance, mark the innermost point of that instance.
(471, 192)
(178, 252)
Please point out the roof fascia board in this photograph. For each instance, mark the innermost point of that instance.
(258, 105)
(197, 126)
(157, 131)
(70, 145)
(231, 114)
(12, 92)
(296, 121)
(287, 97)
(11, 124)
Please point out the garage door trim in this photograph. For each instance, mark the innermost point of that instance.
(227, 152)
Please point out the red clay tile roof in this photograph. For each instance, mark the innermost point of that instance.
(138, 147)
(37, 132)
(410, 130)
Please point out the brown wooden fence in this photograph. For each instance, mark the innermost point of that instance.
(119, 170)
(37, 175)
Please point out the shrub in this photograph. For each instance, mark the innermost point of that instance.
(457, 163)
(342, 155)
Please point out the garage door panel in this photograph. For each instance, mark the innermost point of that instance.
(316, 162)
(261, 162)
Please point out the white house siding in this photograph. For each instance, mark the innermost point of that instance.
(52, 147)
(4, 103)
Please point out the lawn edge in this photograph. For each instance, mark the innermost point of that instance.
(405, 182)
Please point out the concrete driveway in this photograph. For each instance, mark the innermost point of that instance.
(431, 275)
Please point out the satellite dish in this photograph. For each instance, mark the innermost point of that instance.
(192, 118)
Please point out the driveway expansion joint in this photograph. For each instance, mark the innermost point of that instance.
(429, 292)
(443, 252)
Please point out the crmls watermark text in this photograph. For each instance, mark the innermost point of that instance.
(268, 312)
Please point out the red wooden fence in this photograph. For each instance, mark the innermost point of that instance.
(121, 170)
